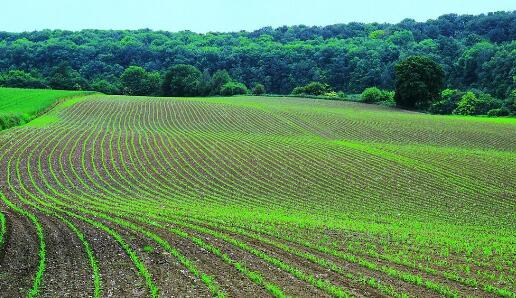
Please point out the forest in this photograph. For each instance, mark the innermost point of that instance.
(476, 53)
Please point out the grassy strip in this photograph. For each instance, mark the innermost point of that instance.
(11, 119)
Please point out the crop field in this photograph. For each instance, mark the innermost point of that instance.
(255, 197)
(18, 106)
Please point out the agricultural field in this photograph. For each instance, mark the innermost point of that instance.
(256, 197)
(18, 106)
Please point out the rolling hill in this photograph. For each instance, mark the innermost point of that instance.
(256, 196)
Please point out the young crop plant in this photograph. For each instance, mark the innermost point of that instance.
(287, 194)
(3, 229)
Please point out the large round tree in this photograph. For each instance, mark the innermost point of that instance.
(182, 80)
(137, 81)
(419, 81)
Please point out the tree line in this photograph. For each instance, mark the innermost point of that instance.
(475, 52)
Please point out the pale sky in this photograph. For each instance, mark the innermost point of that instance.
(224, 15)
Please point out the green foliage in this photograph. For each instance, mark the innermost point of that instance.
(377, 34)
(259, 89)
(313, 88)
(63, 77)
(419, 81)
(317, 88)
(219, 79)
(498, 112)
(298, 91)
(467, 104)
(205, 84)
(182, 80)
(471, 104)
(103, 86)
(21, 79)
(475, 51)
(375, 95)
(137, 81)
(11, 119)
(233, 88)
(447, 103)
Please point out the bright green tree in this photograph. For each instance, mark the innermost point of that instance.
(233, 88)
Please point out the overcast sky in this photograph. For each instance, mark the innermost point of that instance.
(224, 15)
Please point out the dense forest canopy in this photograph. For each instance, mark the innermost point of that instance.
(475, 52)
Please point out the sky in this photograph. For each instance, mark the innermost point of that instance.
(224, 15)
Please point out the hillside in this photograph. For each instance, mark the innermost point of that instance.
(475, 51)
(256, 196)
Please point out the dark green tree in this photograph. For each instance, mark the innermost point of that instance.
(65, 78)
(219, 79)
(258, 89)
(419, 81)
(104, 86)
(205, 84)
(181, 80)
(22, 79)
(137, 81)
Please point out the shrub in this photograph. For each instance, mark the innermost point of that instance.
(447, 103)
(471, 104)
(314, 88)
(466, 104)
(298, 91)
(258, 89)
(498, 112)
(104, 86)
(374, 95)
(233, 88)
(317, 88)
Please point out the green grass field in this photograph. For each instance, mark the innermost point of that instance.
(256, 196)
(18, 106)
